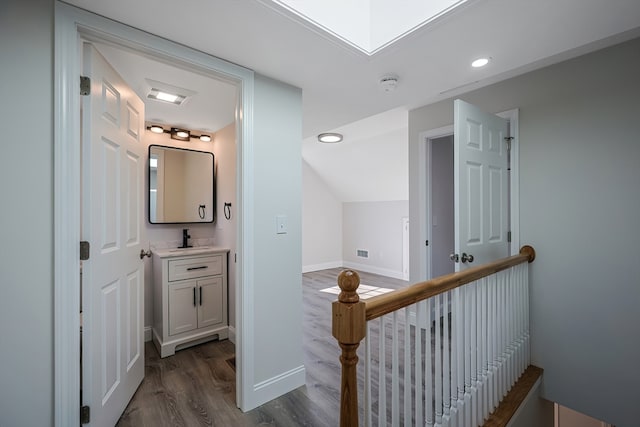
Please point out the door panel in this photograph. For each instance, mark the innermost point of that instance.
(183, 315)
(113, 174)
(210, 311)
(480, 174)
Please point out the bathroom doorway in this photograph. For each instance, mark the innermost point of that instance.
(73, 27)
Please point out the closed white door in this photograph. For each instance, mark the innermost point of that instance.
(481, 210)
(113, 160)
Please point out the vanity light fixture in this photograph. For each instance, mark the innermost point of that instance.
(330, 137)
(179, 134)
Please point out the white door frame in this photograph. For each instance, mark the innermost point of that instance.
(71, 26)
(424, 190)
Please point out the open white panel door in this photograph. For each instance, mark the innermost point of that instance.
(113, 160)
(481, 160)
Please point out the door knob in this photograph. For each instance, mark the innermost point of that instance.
(144, 253)
(454, 257)
(466, 257)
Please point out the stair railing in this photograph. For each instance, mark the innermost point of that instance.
(450, 347)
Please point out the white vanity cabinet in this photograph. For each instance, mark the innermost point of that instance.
(189, 297)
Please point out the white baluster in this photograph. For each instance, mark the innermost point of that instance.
(467, 355)
(419, 398)
(446, 379)
(438, 359)
(473, 355)
(408, 381)
(428, 365)
(456, 332)
(382, 378)
(367, 377)
(395, 373)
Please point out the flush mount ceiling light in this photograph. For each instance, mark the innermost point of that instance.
(330, 137)
(480, 62)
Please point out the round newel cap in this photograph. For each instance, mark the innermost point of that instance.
(348, 281)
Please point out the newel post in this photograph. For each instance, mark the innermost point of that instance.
(349, 328)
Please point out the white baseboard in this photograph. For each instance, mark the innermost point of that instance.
(147, 333)
(323, 266)
(277, 386)
(373, 269)
(232, 334)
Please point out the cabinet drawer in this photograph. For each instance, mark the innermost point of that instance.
(191, 268)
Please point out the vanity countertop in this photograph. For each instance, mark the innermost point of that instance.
(196, 250)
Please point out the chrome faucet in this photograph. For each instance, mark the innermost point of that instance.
(185, 238)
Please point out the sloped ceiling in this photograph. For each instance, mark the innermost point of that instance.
(341, 85)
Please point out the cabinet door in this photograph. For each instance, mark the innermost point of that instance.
(210, 302)
(182, 307)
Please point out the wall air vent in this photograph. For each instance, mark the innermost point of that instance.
(362, 253)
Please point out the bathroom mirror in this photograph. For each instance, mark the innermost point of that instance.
(181, 186)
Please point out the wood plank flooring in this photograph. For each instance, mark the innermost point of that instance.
(196, 387)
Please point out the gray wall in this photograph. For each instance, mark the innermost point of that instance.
(442, 227)
(26, 217)
(580, 204)
(278, 259)
(321, 223)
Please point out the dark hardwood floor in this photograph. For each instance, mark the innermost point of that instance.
(196, 387)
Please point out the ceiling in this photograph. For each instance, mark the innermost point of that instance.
(340, 84)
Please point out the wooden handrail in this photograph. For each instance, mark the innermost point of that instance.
(388, 303)
(350, 316)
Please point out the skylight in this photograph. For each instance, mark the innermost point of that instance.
(367, 25)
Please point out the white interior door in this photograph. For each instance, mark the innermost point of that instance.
(481, 210)
(113, 162)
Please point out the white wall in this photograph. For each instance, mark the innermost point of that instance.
(222, 231)
(277, 265)
(321, 223)
(579, 181)
(377, 228)
(225, 149)
(442, 227)
(167, 233)
(26, 180)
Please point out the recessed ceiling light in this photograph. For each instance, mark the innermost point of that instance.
(169, 97)
(330, 137)
(156, 129)
(480, 62)
(159, 95)
(205, 138)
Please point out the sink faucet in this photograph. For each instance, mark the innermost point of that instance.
(185, 238)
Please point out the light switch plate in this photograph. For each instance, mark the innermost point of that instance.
(281, 224)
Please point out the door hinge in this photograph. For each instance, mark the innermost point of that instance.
(509, 236)
(85, 85)
(426, 243)
(85, 249)
(85, 415)
(508, 140)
